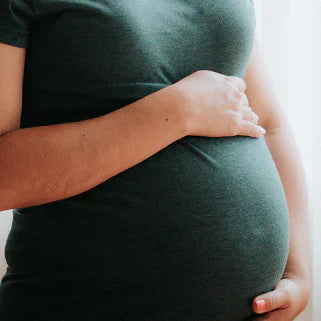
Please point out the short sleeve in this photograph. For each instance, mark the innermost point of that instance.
(15, 20)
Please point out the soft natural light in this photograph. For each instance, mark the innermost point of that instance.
(290, 33)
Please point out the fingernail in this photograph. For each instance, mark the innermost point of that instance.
(260, 304)
(262, 130)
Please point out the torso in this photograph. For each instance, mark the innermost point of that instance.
(193, 232)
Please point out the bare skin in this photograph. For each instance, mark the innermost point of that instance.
(66, 154)
(48, 163)
(291, 295)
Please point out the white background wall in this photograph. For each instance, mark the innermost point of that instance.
(5, 223)
(290, 32)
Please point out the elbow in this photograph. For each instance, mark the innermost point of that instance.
(5, 203)
(4, 198)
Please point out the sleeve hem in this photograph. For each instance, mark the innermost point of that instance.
(14, 37)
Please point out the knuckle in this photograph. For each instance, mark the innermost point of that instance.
(253, 113)
(240, 81)
(204, 72)
(287, 297)
(244, 97)
(227, 78)
(227, 81)
(238, 95)
(250, 114)
(274, 299)
(254, 117)
(243, 83)
(248, 110)
(235, 125)
(254, 132)
(271, 302)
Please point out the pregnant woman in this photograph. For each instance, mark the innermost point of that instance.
(143, 184)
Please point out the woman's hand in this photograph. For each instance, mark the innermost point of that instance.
(288, 299)
(216, 105)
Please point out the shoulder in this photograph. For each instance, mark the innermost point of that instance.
(16, 17)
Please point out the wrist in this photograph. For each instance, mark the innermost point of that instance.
(181, 106)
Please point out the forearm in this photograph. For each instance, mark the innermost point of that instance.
(48, 163)
(288, 161)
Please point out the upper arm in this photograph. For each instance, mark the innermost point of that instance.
(15, 19)
(261, 93)
(11, 80)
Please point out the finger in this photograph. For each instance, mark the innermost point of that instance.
(247, 128)
(239, 82)
(277, 315)
(249, 114)
(245, 101)
(269, 301)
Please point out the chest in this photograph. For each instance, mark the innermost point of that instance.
(88, 43)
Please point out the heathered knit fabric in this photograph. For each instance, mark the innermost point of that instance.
(192, 233)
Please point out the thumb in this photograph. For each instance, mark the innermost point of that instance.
(272, 300)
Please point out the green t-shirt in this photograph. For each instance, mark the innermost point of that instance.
(195, 231)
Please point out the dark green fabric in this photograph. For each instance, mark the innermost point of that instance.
(193, 232)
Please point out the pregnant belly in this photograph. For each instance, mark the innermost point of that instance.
(193, 232)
